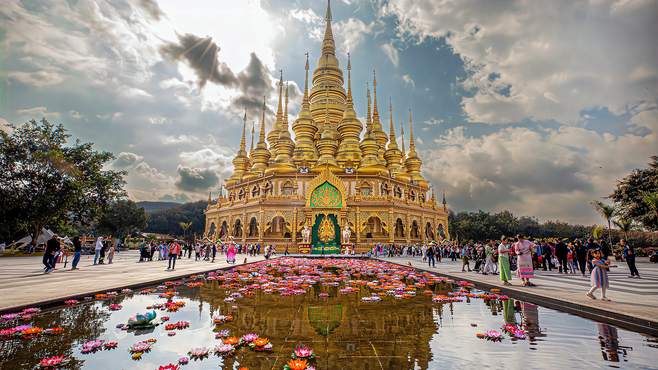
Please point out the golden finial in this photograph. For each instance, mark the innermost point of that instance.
(261, 136)
(285, 117)
(412, 145)
(209, 197)
(369, 113)
(327, 16)
(305, 100)
(244, 128)
(402, 138)
(349, 80)
(279, 113)
(391, 128)
(375, 112)
(251, 147)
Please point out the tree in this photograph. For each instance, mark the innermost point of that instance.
(47, 181)
(166, 221)
(122, 218)
(630, 195)
(607, 212)
(625, 225)
(185, 226)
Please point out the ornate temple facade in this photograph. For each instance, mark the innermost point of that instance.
(336, 181)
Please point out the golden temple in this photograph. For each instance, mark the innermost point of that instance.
(328, 179)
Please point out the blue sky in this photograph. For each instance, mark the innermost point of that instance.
(538, 108)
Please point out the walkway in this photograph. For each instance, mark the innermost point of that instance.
(634, 301)
(24, 283)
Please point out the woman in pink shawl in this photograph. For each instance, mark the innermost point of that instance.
(523, 249)
(230, 251)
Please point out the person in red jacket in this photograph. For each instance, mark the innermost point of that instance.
(174, 251)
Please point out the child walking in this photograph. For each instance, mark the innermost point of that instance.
(599, 277)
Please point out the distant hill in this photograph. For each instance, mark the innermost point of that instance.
(167, 218)
(150, 207)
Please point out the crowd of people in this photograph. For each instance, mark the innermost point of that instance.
(204, 250)
(523, 256)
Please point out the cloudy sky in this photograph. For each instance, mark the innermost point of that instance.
(537, 107)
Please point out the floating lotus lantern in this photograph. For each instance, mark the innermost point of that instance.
(53, 362)
(198, 353)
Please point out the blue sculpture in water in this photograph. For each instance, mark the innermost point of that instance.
(140, 321)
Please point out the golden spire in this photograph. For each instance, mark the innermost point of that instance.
(328, 74)
(349, 129)
(273, 135)
(349, 81)
(305, 152)
(444, 201)
(241, 161)
(209, 197)
(328, 44)
(285, 110)
(244, 130)
(251, 147)
(261, 156)
(404, 152)
(369, 113)
(305, 102)
(413, 163)
(375, 111)
(261, 135)
(392, 154)
(392, 141)
(279, 112)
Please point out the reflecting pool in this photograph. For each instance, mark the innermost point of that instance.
(353, 314)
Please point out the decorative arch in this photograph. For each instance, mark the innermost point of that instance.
(288, 188)
(328, 178)
(212, 229)
(414, 232)
(397, 191)
(374, 227)
(237, 228)
(278, 228)
(399, 228)
(364, 188)
(441, 231)
(241, 194)
(223, 230)
(385, 188)
(253, 228)
(429, 231)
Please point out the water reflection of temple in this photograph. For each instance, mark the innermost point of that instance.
(344, 332)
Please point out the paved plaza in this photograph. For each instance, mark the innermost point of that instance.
(634, 298)
(24, 283)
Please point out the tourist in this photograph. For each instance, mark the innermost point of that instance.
(285, 251)
(77, 250)
(52, 247)
(465, 261)
(488, 258)
(546, 256)
(110, 253)
(572, 262)
(561, 252)
(629, 256)
(503, 261)
(230, 252)
(599, 278)
(429, 253)
(590, 247)
(581, 256)
(523, 249)
(174, 251)
(214, 251)
(197, 251)
(97, 249)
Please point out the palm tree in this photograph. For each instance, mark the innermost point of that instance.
(625, 225)
(607, 212)
(651, 200)
(185, 226)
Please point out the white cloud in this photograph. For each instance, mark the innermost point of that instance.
(37, 113)
(350, 33)
(408, 80)
(37, 79)
(392, 53)
(551, 59)
(552, 173)
(75, 114)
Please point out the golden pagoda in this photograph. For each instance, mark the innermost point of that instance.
(331, 183)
